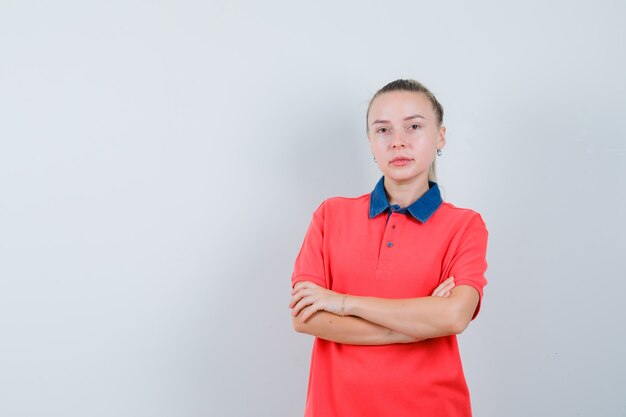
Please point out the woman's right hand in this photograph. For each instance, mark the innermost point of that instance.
(443, 290)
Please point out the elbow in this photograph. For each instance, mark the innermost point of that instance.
(297, 325)
(458, 322)
(457, 326)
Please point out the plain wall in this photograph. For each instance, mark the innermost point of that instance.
(160, 163)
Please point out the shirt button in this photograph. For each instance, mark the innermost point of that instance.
(389, 244)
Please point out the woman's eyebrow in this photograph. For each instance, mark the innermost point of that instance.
(415, 116)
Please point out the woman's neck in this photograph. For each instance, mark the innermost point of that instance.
(405, 193)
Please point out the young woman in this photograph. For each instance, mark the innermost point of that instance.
(386, 280)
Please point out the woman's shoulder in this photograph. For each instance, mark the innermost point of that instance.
(461, 215)
(343, 204)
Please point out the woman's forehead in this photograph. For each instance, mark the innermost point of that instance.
(401, 105)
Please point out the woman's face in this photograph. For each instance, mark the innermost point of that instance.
(404, 135)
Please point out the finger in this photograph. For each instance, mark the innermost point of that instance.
(308, 312)
(309, 290)
(304, 291)
(304, 284)
(295, 298)
(449, 289)
(295, 310)
(446, 281)
(296, 307)
(439, 288)
(304, 302)
(297, 287)
(447, 285)
(446, 290)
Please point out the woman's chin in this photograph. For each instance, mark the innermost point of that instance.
(403, 177)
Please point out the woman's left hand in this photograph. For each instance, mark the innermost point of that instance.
(308, 298)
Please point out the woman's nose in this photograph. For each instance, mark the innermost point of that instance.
(398, 141)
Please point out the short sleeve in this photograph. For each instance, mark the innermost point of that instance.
(309, 264)
(469, 260)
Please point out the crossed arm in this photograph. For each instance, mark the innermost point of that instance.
(377, 321)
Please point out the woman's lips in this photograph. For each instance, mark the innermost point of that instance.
(400, 161)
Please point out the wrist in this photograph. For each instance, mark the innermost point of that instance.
(342, 309)
(348, 305)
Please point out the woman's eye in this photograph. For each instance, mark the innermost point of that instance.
(415, 127)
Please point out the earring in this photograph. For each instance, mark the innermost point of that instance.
(438, 152)
(374, 158)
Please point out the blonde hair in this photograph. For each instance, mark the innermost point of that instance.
(416, 87)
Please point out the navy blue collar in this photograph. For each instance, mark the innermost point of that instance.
(422, 209)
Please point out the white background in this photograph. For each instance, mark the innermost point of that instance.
(160, 162)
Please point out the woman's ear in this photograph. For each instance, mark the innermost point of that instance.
(441, 141)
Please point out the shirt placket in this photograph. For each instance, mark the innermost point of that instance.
(387, 244)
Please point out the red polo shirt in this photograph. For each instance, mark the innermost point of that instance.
(364, 246)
